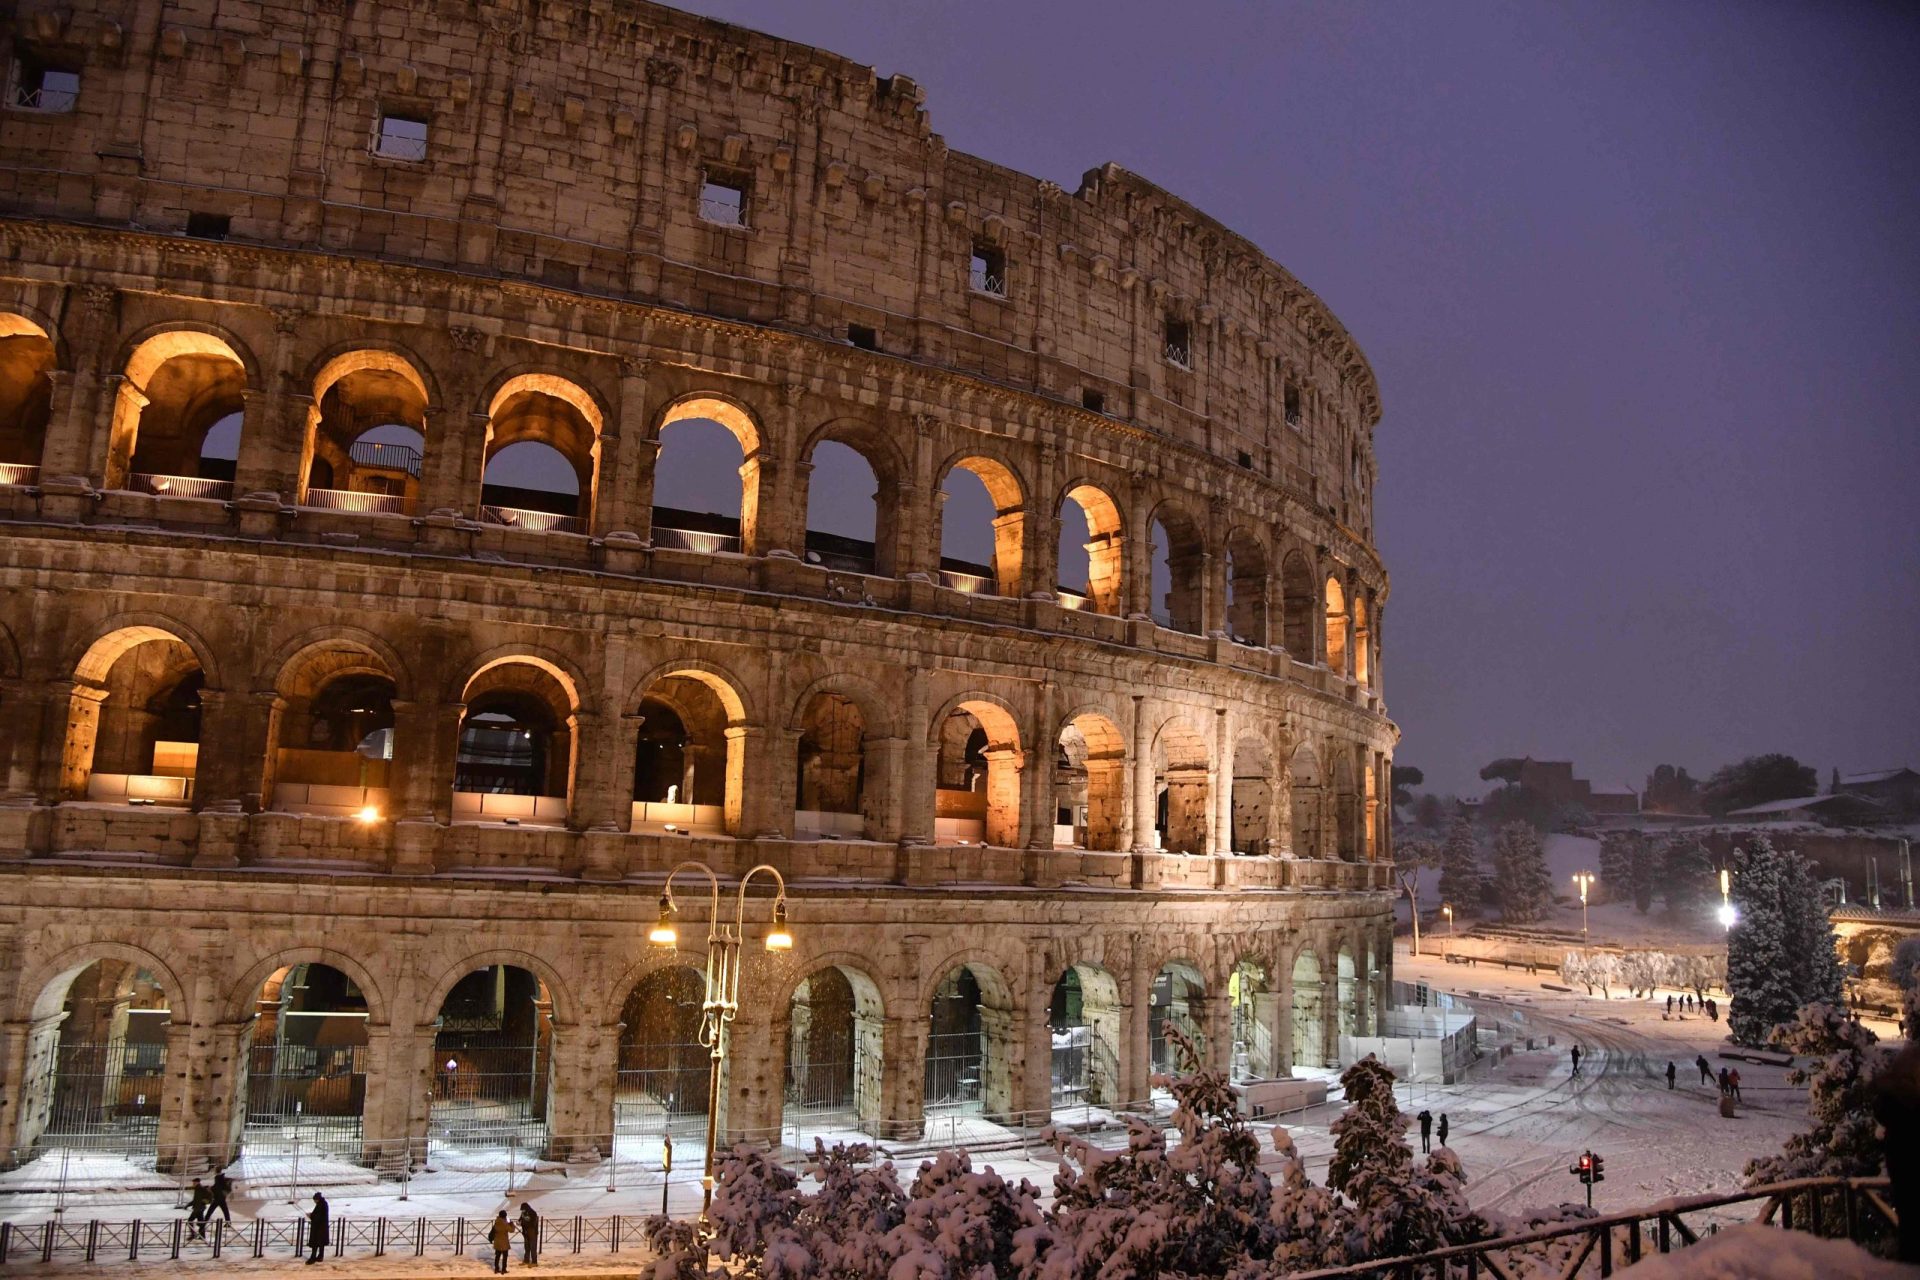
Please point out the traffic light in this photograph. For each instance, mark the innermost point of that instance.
(1599, 1167)
(1584, 1169)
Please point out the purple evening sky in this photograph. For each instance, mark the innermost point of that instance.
(1641, 283)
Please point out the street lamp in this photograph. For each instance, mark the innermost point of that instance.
(1727, 914)
(1446, 909)
(1584, 879)
(722, 998)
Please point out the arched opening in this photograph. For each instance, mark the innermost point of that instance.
(133, 726)
(96, 1062)
(1346, 992)
(493, 1047)
(848, 528)
(688, 762)
(1247, 609)
(1306, 802)
(306, 1065)
(970, 1045)
(1091, 552)
(27, 362)
(515, 757)
(664, 1071)
(1255, 1009)
(1299, 608)
(334, 754)
(366, 436)
(701, 467)
(1089, 784)
(982, 528)
(830, 770)
(835, 1056)
(1177, 1005)
(1336, 627)
(1178, 558)
(1084, 1023)
(977, 776)
(178, 387)
(1346, 805)
(543, 442)
(1362, 641)
(1182, 816)
(1309, 1013)
(1252, 796)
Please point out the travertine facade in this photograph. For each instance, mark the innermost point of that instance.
(622, 217)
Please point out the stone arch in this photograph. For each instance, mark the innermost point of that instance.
(1177, 999)
(1248, 585)
(726, 685)
(551, 661)
(1086, 1021)
(1090, 778)
(834, 1033)
(518, 745)
(360, 354)
(1105, 547)
(362, 389)
(492, 1071)
(1007, 492)
(1336, 622)
(237, 1004)
(1307, 800)
(972, 1040)
(1299, 606)
(178, 381)
(1253, 998)
(977, 772)
(891, 473)
(42, 988)
(330, 740)
(1183, 608)
(691, 460)
(557, 412)
(875, 705)
(28, 355)
(122, 631)
(690, 762)
(1183, 766)
(143, 713)
(1345, 801)
(1347, 988)
(291, 664)
(300, 1079)
(1253, 797)
(1306, 980)
(729, 412)
(566, 1008)
(664, 1072)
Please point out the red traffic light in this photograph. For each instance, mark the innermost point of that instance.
(1586, 1162)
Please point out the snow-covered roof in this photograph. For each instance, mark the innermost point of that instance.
(1616, 789)
(1877, 775)
(1783, 806)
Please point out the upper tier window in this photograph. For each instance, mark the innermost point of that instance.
(38, 87)
(1179, 343)
(723, 200)
(1292, 405)
(401, 138)
(987, 273)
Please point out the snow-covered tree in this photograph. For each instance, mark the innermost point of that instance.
(1844, 1141)
(1616, 866)
(1520, 873)
(1460, 867)
(1643, 870)
(1780, 950)
(1398, 1208)
(1687, 877)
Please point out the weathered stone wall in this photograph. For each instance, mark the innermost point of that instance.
(544, 273)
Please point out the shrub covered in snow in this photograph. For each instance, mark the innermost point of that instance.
(1844, 1140)
(1780, 950)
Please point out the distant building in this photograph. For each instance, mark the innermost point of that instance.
(1897, 790)
(1839, 810)
(1554, 779)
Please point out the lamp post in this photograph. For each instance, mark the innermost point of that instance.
(1727, 913)
(1446, 909)
(722, 998)
(1584, 879)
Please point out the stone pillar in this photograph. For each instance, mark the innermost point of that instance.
(81, 403)
(1221, 842)
(904, 1083)
(1137, 574)
(1143, 788)
(426, 745)
(1040, 566)
(1034, 1095)
(755, 1081)
(1136, 1051)
(272, 438)
(31, 709)
(222, 1108)
(766, 809)
(603, 748)
(177, 1133)
(623, 490)
(455, 462)
(233, 750)
(1216, 1023)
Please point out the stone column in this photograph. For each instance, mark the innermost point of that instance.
(31, 709)
(177, 1133)
(623, 497)
(903, 1086)
(1143, 789)
(765, 810)
(455, 462)
(81, 402)
(426, 742)
(1136, 1052)
(233, 754)
(1035, 1079)
(1222, 834)
(272, 438)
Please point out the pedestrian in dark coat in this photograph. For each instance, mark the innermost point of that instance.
(197, 1212)
(1669, 1075)
(1733, 1083)
(1669, 1006)
(217, 1197)
(1426, 1131)
(500, 1236)
(1706, 1069)
(317, 1230)
(1443, 1128)
(1576, 1060)
(529, 1234)
(1726, 1082)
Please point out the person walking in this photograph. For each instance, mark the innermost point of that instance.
(1443, 1128)
(317, 1239)
(217, 1197)
(1733, 1082)
(1726, 1083)
(1669, 1006)
(500, 1236)
(529, 1235)
(197, 1212)
(1706, 1069)
(1669, 1075)
(1576, 1060)
(1426, 1131)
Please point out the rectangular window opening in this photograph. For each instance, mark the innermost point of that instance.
(723, 200)
(987, 271)
(39, 87)
(401, 138)
(1179, 343)
(1291, 405)
(1246, 459)
(209, 226)
(1093, 401)
(863, 336)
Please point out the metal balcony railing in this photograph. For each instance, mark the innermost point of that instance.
(18, 473)
(48, 98)
(183, 487)
(389, 504)
(696, 540)
(538, 521)
(1180, 355)
(726, 213)
(986, 282)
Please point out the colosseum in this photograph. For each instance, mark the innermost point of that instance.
(365, 671)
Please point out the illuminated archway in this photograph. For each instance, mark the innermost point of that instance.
(305, 1082)
(1083, 1022)
(835, 1055)
(988, 484)
(977, 774)
(1091, 551)
(133, 723)
(177, 386)
(493, 1052)
(1182, 813)
(1336, 623)
(27, 362)
(96, 1062)
(1090, 784)
(365, 441)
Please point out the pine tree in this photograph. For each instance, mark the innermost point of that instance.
(1780, 950)
(1643, 871)
(1688, 875)
(1616, 867)
(1844, 1140)
(1520, 874)
(1460, 867)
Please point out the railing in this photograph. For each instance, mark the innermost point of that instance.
(389, 504)
(538, 521)
(20, 473)
(971, 583)
(987, 282)
(51, 100)
(697, 540)
(183, 487)
(1853, 1208)
(1180, 355)
(727, 213)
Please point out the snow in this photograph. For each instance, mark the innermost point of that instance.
(1755, 1252)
